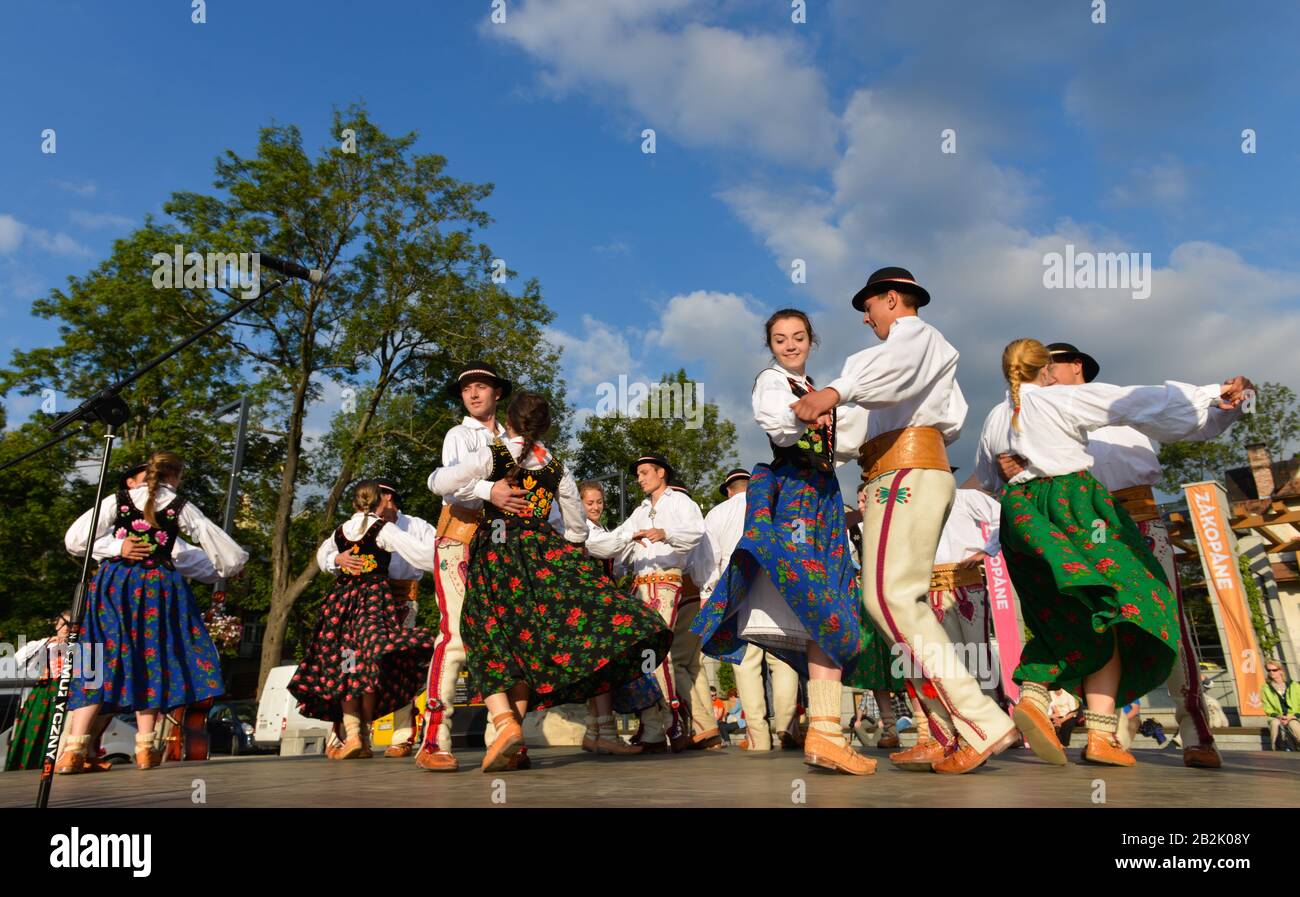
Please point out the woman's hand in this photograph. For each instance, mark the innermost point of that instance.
(973, 561)
(651, 535)
(135, 549)
(349, 561)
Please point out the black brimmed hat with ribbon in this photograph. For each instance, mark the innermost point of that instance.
(651, 458)
(133, 471)
(887, 279)
(386, 484)
(478, 371)
(1068, 352)
(738, 473)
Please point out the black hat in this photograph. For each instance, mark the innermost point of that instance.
(481, 371)
(651, 458)
(1067, 352)
(682, 489)
(133, 470)
(738, 473)
(887, 279)
(386, 484)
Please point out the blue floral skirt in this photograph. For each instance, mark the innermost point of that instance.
(795, 533)
(157, 654)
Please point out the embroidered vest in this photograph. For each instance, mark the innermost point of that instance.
(373, 558)
(816, 446)
(540, 485)
(130, 521)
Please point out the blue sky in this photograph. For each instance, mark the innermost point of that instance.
(776, 141)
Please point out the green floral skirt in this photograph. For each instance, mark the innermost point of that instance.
(539, 611)
(27, 748)
(874, 667)
(1086, 580)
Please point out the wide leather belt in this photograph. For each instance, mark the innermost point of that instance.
(458, 523)
(405, 589)
(911, 447)
(946, 577)
(1139, 501)
(671, 576)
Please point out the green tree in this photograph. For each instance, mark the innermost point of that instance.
(700, 456)
(726, 678)
(1274, 421)
(112, 320)
(41, 497)
(410, 296)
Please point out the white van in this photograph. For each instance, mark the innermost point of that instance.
(277, 711)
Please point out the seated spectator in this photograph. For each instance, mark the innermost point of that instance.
(1281, 698)
(735, 716)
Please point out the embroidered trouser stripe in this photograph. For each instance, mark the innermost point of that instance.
(662, 598)
(1184, 682)
(901, 537)
(448, 649)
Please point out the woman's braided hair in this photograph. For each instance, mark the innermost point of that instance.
(529, 416)
(1022, 361)
(164, 467)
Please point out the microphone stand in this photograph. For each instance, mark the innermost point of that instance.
(108, 407)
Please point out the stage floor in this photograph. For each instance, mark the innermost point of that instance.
(566, 777)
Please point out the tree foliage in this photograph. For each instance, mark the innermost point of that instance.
(346, 377)
(700, 456)
(1274, 421)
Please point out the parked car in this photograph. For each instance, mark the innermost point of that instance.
(230, 727)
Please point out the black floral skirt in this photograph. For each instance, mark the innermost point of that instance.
(360, 648)
(538, 610)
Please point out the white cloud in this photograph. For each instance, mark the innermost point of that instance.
(80, 188)
(100, 220)
(599, 355)
(13, 233)
(697, 85)
(717, 337)
(970, 225)
(1165, 184)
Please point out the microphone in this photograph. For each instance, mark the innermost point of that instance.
(290, 269)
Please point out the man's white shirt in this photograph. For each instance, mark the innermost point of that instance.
(676, 514)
